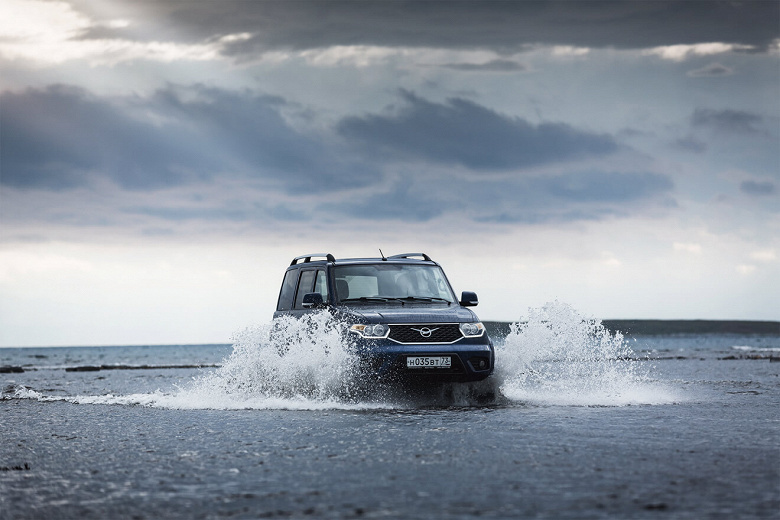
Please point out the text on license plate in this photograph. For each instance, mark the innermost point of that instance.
(428, 362)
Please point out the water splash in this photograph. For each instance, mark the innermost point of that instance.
(556, 356)
(305, 363)
(300, 363)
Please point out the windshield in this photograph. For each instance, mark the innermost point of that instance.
(385, 281)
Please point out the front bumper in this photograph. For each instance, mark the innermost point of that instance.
(471, 360)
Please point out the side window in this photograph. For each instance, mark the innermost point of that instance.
(288, 290)
(304, 286)
(321, 284)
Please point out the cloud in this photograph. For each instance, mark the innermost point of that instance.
(713, 70)
(563, 215)
(582, 196)
(219, 209)
(688, 247)
(764, 255)
(54, 32)
(63, 137)
(498, 25)
(758, 188)
(465, 133)
(745, 269)
(683, 52)
(60, 137)
(690, 144)
(404, 202)
(569, 197)
(490, 66)
(730, 121)
(739, 139)
(251, 134)
(597, 186)
(238, 147)
(533, 199)
(179, 214)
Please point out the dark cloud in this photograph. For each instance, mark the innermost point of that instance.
(690, 144)
(402, 203)
(235, 211)
(501, 25)
(758, 188)
(465, 133)
(63, 137)
(739, 139)
(568, 197)
(490, 66)
(250, 132)
(730, 121)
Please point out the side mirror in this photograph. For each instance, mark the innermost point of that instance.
(312, 300)
(469, 299)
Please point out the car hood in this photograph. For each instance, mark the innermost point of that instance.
(411, 313)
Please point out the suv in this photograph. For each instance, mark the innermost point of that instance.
(400, 313)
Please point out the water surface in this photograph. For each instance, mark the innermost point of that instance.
(585, 424)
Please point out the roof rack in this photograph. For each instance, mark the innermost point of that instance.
(307, 258)
(409, 255)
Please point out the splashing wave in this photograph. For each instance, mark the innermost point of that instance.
(554, 356)
(559, 357)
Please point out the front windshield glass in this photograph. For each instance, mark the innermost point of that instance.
(392, 281)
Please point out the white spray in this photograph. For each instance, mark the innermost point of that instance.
(556, 356)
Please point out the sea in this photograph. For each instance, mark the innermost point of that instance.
(579, 420)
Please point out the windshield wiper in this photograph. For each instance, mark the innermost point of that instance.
(372, 299)
(427, 299)
(400, 300)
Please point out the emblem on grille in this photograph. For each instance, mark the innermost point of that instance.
(426, 332)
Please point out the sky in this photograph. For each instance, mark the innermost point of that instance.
(161, 162)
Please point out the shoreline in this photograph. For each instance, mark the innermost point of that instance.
(637, 327)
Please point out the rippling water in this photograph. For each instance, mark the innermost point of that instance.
(579, 422)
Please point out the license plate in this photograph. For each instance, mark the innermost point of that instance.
(429, 362)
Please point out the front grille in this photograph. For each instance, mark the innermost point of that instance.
(425, 333)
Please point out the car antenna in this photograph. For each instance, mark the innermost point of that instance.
(382, 255)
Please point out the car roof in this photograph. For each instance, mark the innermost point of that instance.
(325, 258)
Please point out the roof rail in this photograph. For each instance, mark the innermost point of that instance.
(409, 255)
(307, 258)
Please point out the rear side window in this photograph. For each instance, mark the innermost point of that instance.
(288, 290)
(304, 287)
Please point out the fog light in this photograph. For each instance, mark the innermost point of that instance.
(479, 363)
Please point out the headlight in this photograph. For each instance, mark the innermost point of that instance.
(472, 330)
(371, 330)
